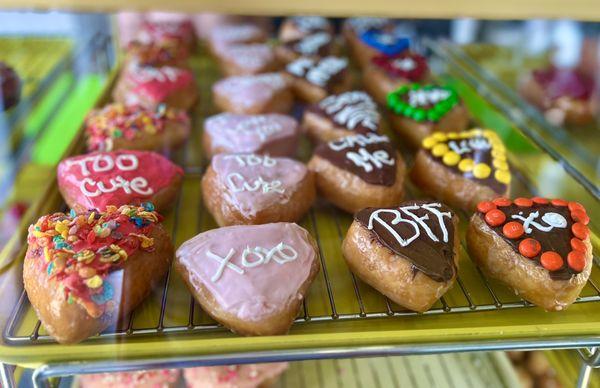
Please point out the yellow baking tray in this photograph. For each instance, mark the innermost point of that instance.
(341, 315)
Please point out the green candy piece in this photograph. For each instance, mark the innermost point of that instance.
(117, 133)
(408, 110)
(419, 115)
(433, 116)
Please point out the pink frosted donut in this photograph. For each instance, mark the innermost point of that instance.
(162, 378)
(234, 376)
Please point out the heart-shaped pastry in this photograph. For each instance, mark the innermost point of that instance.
(150, 86)
(271, 134)
(341, 115)
(358, 171)
(97, 180)
(420, 110)
(253, 94)
(117, 126)
(318, 44)
(297, 27)
(538, 247)
(408, 253)
(316, 78)
(247, 59)
(255, 189)
(386, 73)
(251, 279)
(219, 36)
(463, 168)
(84, 272)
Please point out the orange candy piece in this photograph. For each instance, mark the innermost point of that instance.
(576, 260)
(580, 230)
(578, 245)
(575, 206)
(540, 200)
(529, 247)
(523, 202)
(495, 217)
(485, 206)
(559, 202)
(502, 202)
(580, 216)
(513, 230)
(551, 261)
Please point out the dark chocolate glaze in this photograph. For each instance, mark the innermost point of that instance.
(353, 111)
(478, 156)
(341, 153)
(557, 239)
(10, 87)
(433, 258)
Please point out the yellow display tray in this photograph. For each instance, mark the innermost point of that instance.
(341, 315)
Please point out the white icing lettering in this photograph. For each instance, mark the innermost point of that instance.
(317, 72)
(311, 44)
(138, 185)
(264, 186)
(551, 219)
(361, 140)
(352, 109)
(466, 146)
(223, 262)
(368, 160)
(244, 160)
(422, 97)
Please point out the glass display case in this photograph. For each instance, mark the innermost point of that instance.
(72, 66)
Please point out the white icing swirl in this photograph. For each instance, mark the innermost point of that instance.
(352, 109)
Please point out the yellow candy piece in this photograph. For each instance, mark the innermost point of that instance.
(94, 282)
(47, 256)
(439, 136)
(451, 158)
(466, 165)
(475, 132)
(453, 135)
(439, 150)
(481, 171)
(498, 154)
(502, 176)
(39, 233)
(429, 142)
(490, 134)
(91, 217)
(500, 164)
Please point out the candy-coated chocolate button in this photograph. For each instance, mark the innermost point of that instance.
(576, 260)
(580, 216)
(576, 206)
(439, 149)
(502, 176)
(513, 230)
(502, 201)
(439, 136)
(559, 202)
(500, 164)
(466, 165)
(451, 158)
(580, 230)
(523, 202)
(452, 135)
(485, 206)
(499, 155)
(481, 171)
(551, 261)
(429, 142)
(529, 247)
(540, 200)
(578, 245)
(495, 217)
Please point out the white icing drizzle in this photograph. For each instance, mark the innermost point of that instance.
(351, 109)
(406, 215)
(368, 161)
(469, 145)
(237, 183)
(311, 44)
(250, 160)
(310, 23)
(361, 25)
(102, 163)
(317, 72)
(249, 55)
(404, 64)
(261, 125)
(145, 74)
(281, 254)
(552, 220)
(361, 140)
(421, 97)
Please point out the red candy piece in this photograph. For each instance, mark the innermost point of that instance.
(502, 202)
(529, 247)
(495, 217)
(578, 245)
(540, 200)
(580, 216)
(523, 202)
(580, 230)
(576, 260)
(576, 206)
(551, 261)
(559, 202)
(485, 206)
(513, 230)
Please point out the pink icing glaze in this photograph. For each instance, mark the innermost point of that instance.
(233, 376)
(142, 379)
(273, 134)
(152, 174)
(251, 57)
(249, 90)
(158, 83)
(239, 33)
(261, 290)
(253, 183)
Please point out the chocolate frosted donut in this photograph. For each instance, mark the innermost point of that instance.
(10, 87)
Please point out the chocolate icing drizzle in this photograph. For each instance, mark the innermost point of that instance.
(354, 111)
(419, 231)
(371, 157)
(557, 239)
